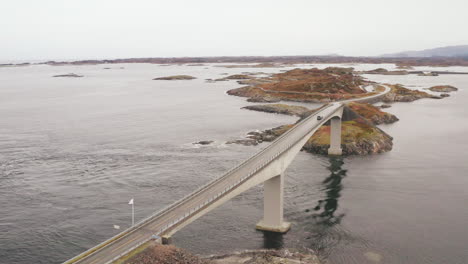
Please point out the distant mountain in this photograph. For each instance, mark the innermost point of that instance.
(450, 51)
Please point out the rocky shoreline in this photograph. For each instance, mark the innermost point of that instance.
(279, 109)
(399, 93)
(155, 253)
(281, 256)
(360, 136)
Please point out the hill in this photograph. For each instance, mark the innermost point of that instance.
(449, 51)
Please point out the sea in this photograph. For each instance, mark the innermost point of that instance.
(74, 151)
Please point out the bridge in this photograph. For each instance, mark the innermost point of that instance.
(267, 166)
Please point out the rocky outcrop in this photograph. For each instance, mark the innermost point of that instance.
(265, 99)
(359, 135)
(268, 135)
(282, 256)
(358, 138)
(255, 81)
(238, 77)
(245, 142)
(443, 88)
(155, 253)
(306, 85)
(428, 74)
(383, 71)
(69, 75)
(203, 142)
(399, 93)
(279, 109)
(164, 254)
(373, 114)
(175, 78)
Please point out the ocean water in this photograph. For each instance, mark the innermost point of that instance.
(74, 151)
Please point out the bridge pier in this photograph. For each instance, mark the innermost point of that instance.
(335, 136)
(166, 240)
(273, 206)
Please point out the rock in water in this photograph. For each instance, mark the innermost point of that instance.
(279, 109)
(443, 88)
(70, 75)
(385, 106)
(238, 77)
(175, 78)
(203, 142)
(245, 142)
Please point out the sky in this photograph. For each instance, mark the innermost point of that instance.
(106, 29)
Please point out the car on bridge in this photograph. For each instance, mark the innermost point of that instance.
(319, 118)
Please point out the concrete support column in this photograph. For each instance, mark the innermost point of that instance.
(273, 206)
(166, 240)
(335, 136)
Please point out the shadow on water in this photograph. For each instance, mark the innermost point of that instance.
(272, 240)
(325, 210)
(322, 223)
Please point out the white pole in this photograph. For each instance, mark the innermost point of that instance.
(133, 213)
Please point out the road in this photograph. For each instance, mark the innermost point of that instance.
(183, 209)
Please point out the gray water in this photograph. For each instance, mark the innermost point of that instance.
(73, 152)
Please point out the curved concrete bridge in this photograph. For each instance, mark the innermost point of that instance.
(267, 167)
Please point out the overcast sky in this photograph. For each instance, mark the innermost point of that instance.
(82, 29)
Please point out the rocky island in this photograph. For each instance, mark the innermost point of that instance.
(402, 94)
(359, 134)
(383, 71)
(69, 75)
(279, 109)
(443, 88)
(306, 85)
(175, 78)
